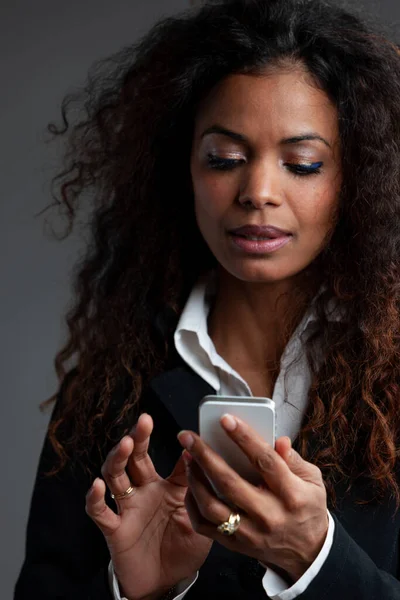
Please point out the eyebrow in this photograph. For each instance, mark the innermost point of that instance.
(297, 139)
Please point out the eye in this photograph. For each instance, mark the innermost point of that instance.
(222, 164)
(303, 169)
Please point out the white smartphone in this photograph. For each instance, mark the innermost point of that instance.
(257, 412)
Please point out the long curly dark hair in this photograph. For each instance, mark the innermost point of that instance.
(128, 151)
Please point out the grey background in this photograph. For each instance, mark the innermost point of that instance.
(46, 47)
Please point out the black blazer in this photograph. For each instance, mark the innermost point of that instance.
(67, 557)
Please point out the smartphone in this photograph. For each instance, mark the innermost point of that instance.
(257, 412)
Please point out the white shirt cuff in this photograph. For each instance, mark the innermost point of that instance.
(181, 589)
(277, 588)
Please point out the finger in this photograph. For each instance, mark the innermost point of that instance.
(197, 520)
(97, 509)
(210, 506)
(283, 446)
(210, 529)
(113, 469)
(268, 462)
(304, 469)
(179, 474)
(272, 468)
(226, 482)
(300, 467)
(140, 466)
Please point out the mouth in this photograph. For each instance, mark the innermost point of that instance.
(258, 232)
(255, 238)
(261, 240)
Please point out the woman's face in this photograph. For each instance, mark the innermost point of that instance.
(265, 169)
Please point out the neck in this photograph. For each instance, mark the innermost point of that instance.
(251, 323)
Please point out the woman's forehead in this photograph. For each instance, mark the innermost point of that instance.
(276, 104)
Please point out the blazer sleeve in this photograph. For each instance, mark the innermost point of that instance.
(349, 573)
(66, 554)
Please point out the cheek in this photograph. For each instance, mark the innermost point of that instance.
(212, 198)
(317, 214)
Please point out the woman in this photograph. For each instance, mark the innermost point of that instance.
(245, 166)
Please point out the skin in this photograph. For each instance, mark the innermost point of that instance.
(170, 524)
(263, 188)
(283, 521)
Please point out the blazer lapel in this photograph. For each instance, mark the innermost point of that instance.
(181, 390)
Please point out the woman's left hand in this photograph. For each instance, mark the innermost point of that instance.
(284, 521)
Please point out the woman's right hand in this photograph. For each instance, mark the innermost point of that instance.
(151, 541)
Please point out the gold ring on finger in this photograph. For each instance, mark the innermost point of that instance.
(128, 492)
(231, 525)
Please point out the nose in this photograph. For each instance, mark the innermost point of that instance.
(261, 187)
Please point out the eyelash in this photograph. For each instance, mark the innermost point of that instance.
(227, 164)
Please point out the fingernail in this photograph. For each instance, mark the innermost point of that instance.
(228, 422)
(290, 453)
(187, 458)
(186, 439)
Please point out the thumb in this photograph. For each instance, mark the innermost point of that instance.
(283, 445)
(178, 475)
(298, 466)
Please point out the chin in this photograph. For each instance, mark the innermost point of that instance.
(259, 273)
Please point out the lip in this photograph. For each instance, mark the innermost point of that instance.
(259, 240)
(260, 246)
(261, 231)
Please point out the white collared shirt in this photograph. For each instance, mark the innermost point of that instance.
(290, 395)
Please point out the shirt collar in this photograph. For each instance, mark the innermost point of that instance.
(194, 344)
(196, 310)
(191, 337)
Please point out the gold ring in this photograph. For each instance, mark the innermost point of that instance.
(123, 495)
(231, 525)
